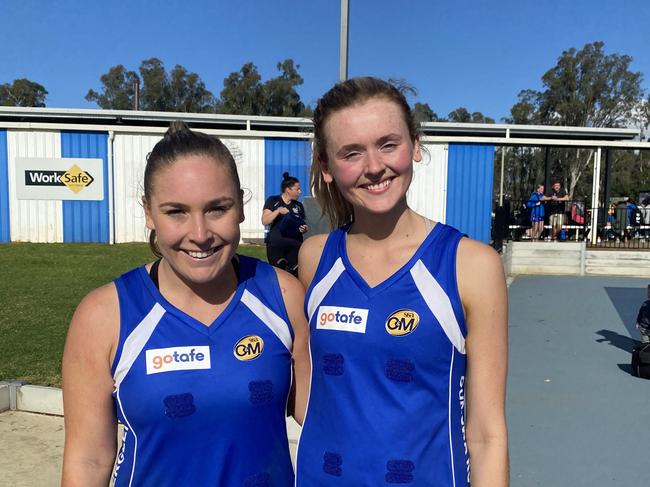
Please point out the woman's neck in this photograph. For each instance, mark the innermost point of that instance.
(285, 197)
(398, 223)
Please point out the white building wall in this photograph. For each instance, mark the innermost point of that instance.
(249, 156)
(428, 192)
(129, 158)
(33, 220)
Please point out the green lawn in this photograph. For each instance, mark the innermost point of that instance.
(40, 286)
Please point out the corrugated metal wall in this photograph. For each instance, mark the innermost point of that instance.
(428, 192)
(129, 158)
(5, 234)
(249, 155)
(286, 155)
(470, 176)
(33, 220)
(86, 221)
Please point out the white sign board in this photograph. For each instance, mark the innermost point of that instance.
(59, 179)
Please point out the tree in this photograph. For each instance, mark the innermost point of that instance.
(118, 89)
(462, 115)
(280, 96)
(178, 91)
(22, 93)
(422, 112)
(242, 92)
(188, 93)
(586, 88)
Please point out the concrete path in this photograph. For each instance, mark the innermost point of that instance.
(31, 449)
(576, 415)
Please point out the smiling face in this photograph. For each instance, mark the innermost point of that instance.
(370, 155)
(195, 208)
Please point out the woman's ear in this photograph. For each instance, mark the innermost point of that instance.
(147, 214)
(324, 170)
(242, 217)
(417, 149)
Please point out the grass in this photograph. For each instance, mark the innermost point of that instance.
(40, 287)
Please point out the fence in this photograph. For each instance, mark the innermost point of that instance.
(624, 226)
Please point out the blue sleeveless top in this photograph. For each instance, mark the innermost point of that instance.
(387, 394)
(203, 405)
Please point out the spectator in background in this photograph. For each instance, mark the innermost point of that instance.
(286, 217)
(536, 212)
(555, 206)
(643, 320)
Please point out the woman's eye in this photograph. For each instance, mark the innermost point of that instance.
(174, 212)
(389, 146)
(350, 155)
(218, 209)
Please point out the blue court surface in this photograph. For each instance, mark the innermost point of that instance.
(576, 415)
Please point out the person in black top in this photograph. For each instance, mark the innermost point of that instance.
(643, 320)
(555, 199)
(286, 217)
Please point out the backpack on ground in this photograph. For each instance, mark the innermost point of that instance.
(641, 361)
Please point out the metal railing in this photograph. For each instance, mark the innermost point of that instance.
(620, 227)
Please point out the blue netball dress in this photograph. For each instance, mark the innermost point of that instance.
(203, 405)
(387, 394)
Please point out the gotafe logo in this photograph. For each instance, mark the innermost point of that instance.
(74, 178)
(402, 322)
(248, 348)
(342, 319)
(177, 358)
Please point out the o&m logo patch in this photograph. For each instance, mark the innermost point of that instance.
(248, 348)
(402, 322)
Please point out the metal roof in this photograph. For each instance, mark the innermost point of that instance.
(133, 118)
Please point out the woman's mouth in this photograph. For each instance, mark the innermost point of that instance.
(378, 187)
(200, 254)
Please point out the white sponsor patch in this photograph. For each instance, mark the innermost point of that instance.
(341, 319)
(177, 358)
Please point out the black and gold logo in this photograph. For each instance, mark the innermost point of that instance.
(249, 348)
(75, 178)
(402, 322)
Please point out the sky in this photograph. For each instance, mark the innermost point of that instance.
(478, 54)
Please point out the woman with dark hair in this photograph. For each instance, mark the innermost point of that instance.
(285, 216)
(192, 353)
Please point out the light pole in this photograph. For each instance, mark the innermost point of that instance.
(343, 54)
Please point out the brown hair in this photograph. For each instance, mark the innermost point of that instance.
(343, 95)
(179, 141)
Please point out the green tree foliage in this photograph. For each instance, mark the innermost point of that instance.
(117, 89)
(177, 91)
(22, 93)
(422, 112)
(280, 95)
(462, 115)
(586, 88)
(245, 93)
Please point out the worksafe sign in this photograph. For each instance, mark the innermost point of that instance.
(59, 179)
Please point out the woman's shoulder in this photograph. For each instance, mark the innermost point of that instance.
(309, 257)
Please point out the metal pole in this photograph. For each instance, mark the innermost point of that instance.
(547, 169)
(595, 195)
(343, 55)
(136, 95)
(503, 157)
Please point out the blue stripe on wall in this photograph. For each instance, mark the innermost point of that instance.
(86, 221)
(286, 155)
(470, 175)
(5, 233)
